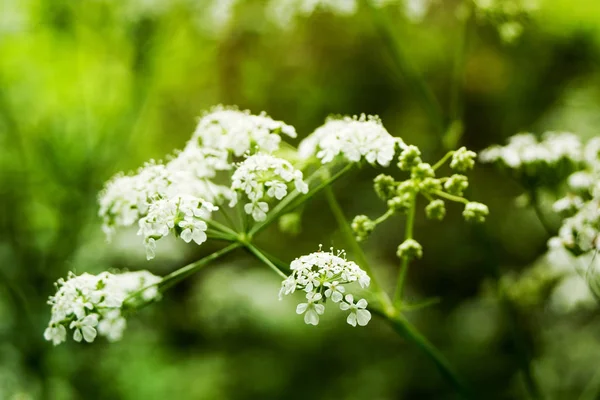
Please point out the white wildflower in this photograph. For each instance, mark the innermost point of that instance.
(239, 132)
(91, 305)
(354, 138)
(185, 216)
(324, 275)
(262, 178)
(358, 312)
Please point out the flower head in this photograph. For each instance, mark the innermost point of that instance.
(239, 132)
(323, 276)
(262, 178)
(353, 139)
(90, 305)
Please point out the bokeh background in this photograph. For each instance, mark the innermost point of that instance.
(89, 88)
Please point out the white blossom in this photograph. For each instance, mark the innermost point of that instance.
(185, 216)
(354, 138)
(239, 132)
(91, 305)
(262, 178)
(358, 312)
(324, 276)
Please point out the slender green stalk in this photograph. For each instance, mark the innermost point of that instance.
(443, 160)
(451, 197)
(220, 227)
(356, 249)
(182, 273)
(537, 207)
(404, 263)
(415, 81)
(408, 331)
(282, 207)
(264, 259)
(456, 109)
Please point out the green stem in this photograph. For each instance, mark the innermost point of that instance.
(355, 247)
(287, 201)
(443, 160)
(384, 217)
(404, 263)
(407, 330)
(415, 81)
(182, 273)
(264, 259)
(220, 227)
(450, 197)
(537, 207)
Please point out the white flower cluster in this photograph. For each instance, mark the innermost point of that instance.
(545, 161)
(261, 178)
(91, 305)
(176, 196)
(239, 132)
(354, 138)
(185, 216)
(580, 230)
(322, 276)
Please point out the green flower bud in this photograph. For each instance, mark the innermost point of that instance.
(290, 223)
(456, 184)
(362, 227)
(422, 171)
(475, 212)
(410, 249)
(463, 160)
(400, 203)
(385, 187)
(436, 210)
(430, 185)
(409, 158)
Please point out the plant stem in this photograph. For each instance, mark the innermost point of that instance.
(407, 330)
(220, 227)
(356, 249)
(443, 160)
(408, 234)
(182, 273)
(537, 207)
(264, 259)
(451, 197)
(415, 81)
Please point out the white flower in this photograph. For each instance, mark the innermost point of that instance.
(262, 178)
(239, 132)
(334, 291)
(322, 275)
(91, 305)
(311, 309)
(354, 138)
(85, 328)
(183, 215)
(56, 334)
(358, 312)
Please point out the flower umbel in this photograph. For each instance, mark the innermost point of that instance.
(324, 276)
(91, 305)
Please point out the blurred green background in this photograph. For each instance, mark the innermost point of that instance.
(89, 88)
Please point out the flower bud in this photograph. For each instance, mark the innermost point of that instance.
(456, 184)
(422, 171)
(475, 212)
(463, 160)
(362, 227)
(409, 158)
(410, 249)
(436, 210)
(385, 187)
(430, 185)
